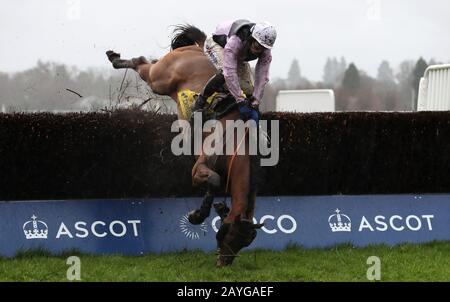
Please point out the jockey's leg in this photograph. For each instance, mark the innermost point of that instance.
(214, 52)
(246, 78)
(215, 83)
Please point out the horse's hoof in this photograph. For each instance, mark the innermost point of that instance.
(112, 55)
(214, 179)
(220, 263)
(195, 218)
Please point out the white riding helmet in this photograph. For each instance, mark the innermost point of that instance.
(265, 34)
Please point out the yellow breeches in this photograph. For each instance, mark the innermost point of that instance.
(186, 99)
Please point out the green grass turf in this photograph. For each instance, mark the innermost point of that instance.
(428, 262)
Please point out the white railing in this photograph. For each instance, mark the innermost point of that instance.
(434, 89)
(314, 100)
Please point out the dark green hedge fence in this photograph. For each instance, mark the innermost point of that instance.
(127, 154)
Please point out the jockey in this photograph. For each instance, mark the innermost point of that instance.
(230, 49)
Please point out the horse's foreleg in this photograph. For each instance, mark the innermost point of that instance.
(202, 174)
(239, 188)
(255, 171)
(250, 211)
(238, 230)
(197, 217)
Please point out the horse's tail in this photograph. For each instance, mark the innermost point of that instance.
(187, 35)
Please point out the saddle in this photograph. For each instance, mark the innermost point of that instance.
(217, 105)
(221, 105)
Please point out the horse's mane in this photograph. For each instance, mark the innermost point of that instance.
(187, 35)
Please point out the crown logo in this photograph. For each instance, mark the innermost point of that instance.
(35, 229)
(340, 222)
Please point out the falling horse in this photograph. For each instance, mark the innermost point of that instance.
(183, 70)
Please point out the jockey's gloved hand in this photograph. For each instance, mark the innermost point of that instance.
(247, 111)
(254, 103)
(244, 109)
(245, 102)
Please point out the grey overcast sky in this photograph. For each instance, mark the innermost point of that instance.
(78, 32)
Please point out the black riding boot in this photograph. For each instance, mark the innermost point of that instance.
(200, 103)
(213, 85)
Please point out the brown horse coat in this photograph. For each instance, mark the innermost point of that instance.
(187, 68)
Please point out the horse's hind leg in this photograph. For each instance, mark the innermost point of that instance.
(140, 64)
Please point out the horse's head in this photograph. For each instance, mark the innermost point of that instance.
(233, 237)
